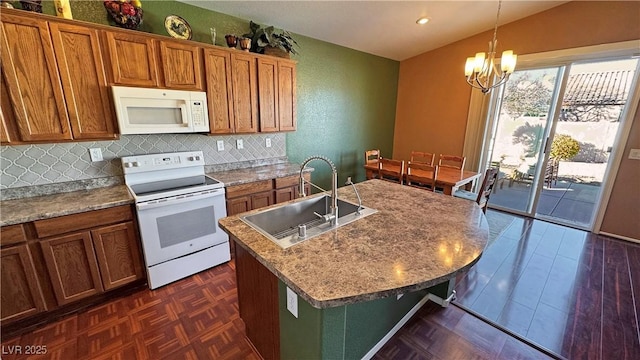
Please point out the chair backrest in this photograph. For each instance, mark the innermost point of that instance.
(452, 161)
(371, 156)
(422, 157)
(422, 175)
(488, 182)
(391, 170)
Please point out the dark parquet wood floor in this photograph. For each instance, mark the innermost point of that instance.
(197, 318)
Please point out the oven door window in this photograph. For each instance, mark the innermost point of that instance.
(185, 226)
(177, 229)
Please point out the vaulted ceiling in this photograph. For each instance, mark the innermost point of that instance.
(383, 28)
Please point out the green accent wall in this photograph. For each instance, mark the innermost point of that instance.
(344, 332)
(346, 99)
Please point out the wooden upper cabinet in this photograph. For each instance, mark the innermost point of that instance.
(181, 65)
(34, 86)
(8, 126)
(133, 59)
(217, 64)
(82, 72)
(268, 94)
(245, 97)
(21, 292)
(72, 267)
(287, 95)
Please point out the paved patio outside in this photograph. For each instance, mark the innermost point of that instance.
(567, 200)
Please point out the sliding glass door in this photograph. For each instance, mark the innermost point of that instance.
(553, 132)
(523, 123)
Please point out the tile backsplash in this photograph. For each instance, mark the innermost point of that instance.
(28, 165)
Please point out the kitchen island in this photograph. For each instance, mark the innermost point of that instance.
(345, 285)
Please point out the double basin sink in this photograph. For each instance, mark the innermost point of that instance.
(295, 222)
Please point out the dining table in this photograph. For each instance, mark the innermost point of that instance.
(448, 179)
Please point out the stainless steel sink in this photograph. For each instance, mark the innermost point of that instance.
(282, 224)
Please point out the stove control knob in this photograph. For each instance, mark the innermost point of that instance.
(197, 158)
(136, 164)
(127, 164)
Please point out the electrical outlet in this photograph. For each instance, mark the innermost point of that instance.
(267, 142)
(292, 302)
(239, 144)
(96, 154)
(220, 144)
(634, 154)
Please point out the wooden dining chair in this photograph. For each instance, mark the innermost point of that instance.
(452, 161)
(422, 175)
(482, 197)
(371, 163)
(422, 157)
(391, 170)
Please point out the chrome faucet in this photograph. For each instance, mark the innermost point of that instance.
(333, 216)
(349, 182)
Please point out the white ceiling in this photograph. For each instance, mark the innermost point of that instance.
(383, 28)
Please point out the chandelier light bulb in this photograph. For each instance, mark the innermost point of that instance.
(481, 70)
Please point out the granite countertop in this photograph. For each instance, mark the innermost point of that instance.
(253, 174)
(48, 206)
(417, 239)
(65, 203)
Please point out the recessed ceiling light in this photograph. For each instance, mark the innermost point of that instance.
(423, 20)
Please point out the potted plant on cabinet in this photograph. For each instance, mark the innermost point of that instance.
(267, 41)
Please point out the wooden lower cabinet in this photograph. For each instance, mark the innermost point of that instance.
(21, 293)
(58, 265)
(72, 267)
(118, 254)
(258, 303)
(261, 200)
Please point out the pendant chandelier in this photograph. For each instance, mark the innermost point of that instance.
(481, 70)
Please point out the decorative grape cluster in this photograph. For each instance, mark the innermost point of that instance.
(126, 13)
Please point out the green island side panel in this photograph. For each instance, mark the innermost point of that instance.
(344, 332)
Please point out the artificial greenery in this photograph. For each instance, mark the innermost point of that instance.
(263, 37)
(564, 147)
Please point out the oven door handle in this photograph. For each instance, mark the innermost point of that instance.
(147, 205)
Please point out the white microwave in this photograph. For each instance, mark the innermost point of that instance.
(160, 111)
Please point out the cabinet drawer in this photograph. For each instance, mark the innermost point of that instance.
(246, 189)
(12, 234)
(90, 219)
(293, 180)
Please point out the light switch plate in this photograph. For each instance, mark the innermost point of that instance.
(220, 144)
(267, 142)
(634, 154)
(292, 302)
(96, 154)
(239, 144)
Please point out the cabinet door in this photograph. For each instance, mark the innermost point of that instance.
(79, 57)
(238, 205)
(286, 194)
(33, 83)
(118, 254)
(21, 294)
(72, 267)
(261, 200)
(181, 66)
(268, 94)
(217, 65)
(245, 99)
(133, 59)
(8, 125)
(287, 95)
